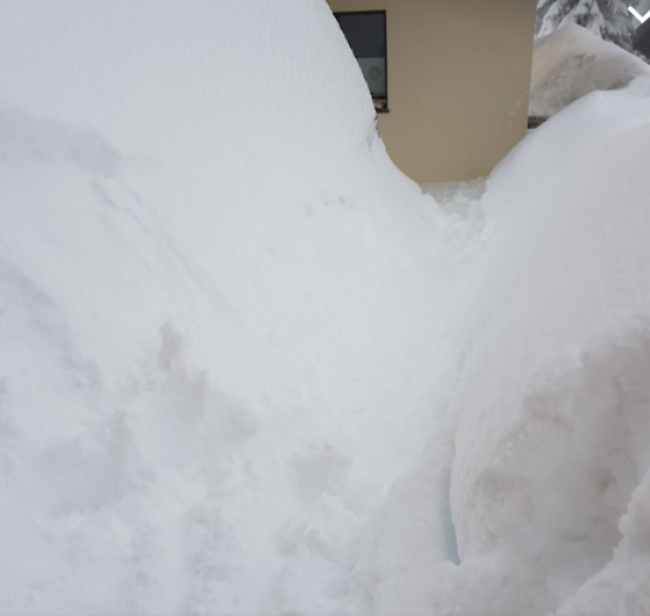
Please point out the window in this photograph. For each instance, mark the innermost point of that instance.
(366, 34)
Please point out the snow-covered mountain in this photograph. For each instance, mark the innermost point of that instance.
(247, 367)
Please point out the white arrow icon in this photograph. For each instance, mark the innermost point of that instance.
(641, 18)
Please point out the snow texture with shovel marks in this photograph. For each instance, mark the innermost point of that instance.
(247, 367)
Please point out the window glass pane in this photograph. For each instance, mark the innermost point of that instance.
(374, 70)
(366, 34)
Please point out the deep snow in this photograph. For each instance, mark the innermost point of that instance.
(247, 367)
(542, 456)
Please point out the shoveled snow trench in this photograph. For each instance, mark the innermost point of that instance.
(247, 367)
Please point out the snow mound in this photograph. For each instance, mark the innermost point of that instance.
(215, 302)
(540, 473)
(573, 61)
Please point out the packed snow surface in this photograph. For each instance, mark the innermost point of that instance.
(247, 367)
(573, 61)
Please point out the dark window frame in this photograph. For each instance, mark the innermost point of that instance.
(383, 100)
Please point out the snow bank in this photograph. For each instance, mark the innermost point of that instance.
(540, 472)
(572, 62)
(215, 291)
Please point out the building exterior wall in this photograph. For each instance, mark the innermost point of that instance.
(458, 80)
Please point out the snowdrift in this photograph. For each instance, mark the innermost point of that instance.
(215, 292)
(539, 474)
(229, 328)
(572, 62)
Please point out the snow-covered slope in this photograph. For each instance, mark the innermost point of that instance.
(572, 62)
(540, 471)
(216, 293)
(229, 327)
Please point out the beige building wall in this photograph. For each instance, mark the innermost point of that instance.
(458, 79)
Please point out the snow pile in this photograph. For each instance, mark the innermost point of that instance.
(229, 327)
(572, 62)
(540, 472)
(216, 296)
